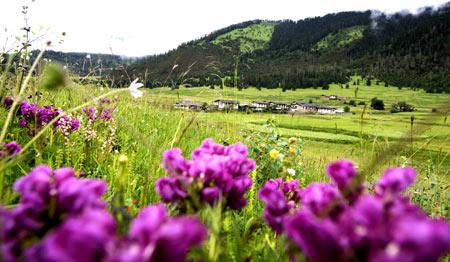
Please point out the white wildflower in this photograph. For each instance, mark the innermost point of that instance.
(134, 88)
(291, 171)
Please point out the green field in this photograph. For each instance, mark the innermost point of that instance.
(150, 125)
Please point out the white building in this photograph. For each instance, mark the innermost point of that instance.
(259, 105)
(226, 104)
(188, 104)
(312, 108)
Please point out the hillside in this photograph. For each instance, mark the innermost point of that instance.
(85, 63)
(402, 49)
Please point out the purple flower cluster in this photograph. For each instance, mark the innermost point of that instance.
(34, 117)
(101, 111)
(93, 114)
(281, 198)
(47, 197)
(9, 149)
(154, 236)
(333, 225)
(62, 218)
(215, 173)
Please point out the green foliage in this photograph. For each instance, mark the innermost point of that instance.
(401, 107)
(251, 38)
(276, 156)
(53, 77)
(377, 104)
(340, 39)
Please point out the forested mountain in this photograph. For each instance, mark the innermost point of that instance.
(402, 49)
(85, 63)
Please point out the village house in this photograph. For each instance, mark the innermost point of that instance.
(226, 104)
(302, 107)
(280, 106)
(188, 104)
(259, 105)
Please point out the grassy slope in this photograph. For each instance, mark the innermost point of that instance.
(340, 39)
(254, 37)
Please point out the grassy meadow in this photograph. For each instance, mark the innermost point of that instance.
(148, 126)
(142, 129)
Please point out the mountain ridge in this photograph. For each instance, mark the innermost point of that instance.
(404, 50)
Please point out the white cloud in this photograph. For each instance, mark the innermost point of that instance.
(143, 27)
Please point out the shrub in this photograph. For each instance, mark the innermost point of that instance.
(346, 109)
(276, 155)
(401, 107)
(377, 104)
(361, 103)
(352, 102)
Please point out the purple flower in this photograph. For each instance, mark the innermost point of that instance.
(143, 228)
(154, 236)
(90, 112)
(320, 198)
(43, 190)
(75, 195)
(105, 100)
(280, 198)
(420, 239)
(88, 237)
(174, 162)
(9, 236)
(28, 111)
(341, 172)
(318, 239)
(23, 122)
(74, 124)
(67, 124)
(176, 237)
(384, 226)
(210, 194)
(170, 189)
(45, 115)
(12, 148)
(107, 113)
(215, 170)
(34, 189)
(395, 180)
(7, 101)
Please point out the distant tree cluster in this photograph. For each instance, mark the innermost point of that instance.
(377, 104)
(401, 107)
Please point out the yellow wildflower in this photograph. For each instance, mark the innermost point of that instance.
(292, 150)
(274, 153)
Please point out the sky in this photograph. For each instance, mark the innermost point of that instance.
(146, 27)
